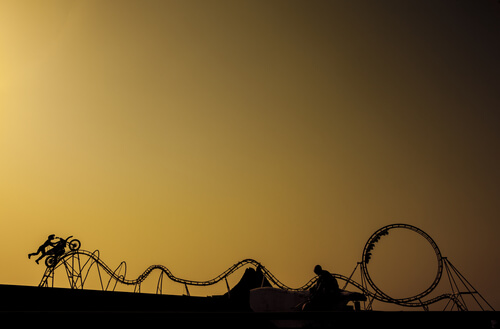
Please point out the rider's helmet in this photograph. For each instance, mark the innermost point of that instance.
(52, 237)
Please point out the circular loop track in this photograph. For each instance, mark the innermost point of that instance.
(367, 253)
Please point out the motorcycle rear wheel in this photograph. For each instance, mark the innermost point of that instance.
(50, 261)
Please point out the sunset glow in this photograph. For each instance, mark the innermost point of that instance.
(195, 134)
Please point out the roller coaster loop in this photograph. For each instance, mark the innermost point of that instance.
(369, 246)
(78, 263)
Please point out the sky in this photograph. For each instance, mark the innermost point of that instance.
(195, 134)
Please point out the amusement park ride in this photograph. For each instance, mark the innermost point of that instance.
(76, 264)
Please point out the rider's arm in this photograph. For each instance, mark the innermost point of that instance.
(53, 244)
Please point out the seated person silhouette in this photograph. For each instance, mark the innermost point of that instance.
(325, 292)
(42, 249)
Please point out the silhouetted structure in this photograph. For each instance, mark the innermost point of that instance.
(239, 294)
(77, 264)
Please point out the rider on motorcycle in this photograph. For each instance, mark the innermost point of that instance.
(42, 249)
(58, 248)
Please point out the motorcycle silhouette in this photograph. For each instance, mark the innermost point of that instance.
(59, 250)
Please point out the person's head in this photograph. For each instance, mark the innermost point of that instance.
(317, 269)
(52, 237)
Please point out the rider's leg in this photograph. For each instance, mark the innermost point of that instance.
(43, 255)
(40, 250)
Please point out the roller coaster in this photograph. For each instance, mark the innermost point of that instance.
(76, 264)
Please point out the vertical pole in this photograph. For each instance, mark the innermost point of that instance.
(364, 284)
(459, 300)
(425, 307)
(100, 277)
(80, 270)
(159, 285)
(469, 287)
(228, 289)
(350, 276)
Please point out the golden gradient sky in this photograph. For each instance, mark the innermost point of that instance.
(195, 134)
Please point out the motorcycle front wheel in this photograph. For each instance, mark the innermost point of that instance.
(74, 244)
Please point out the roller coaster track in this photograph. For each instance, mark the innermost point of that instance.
(78, 264)
(72, 262)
